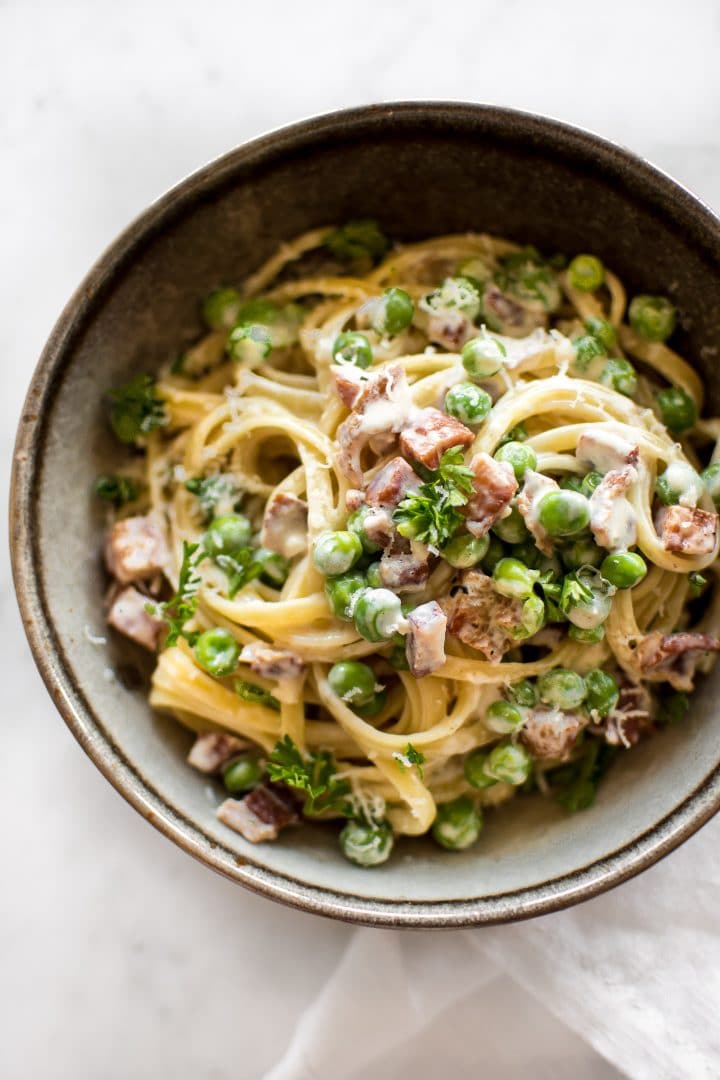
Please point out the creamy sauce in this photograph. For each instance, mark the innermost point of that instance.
(682, 478)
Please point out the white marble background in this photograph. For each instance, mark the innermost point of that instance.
(119, 956)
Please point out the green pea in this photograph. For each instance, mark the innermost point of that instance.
(227, 535)
(393, 312)
(509, 763)
(341, 590)
(373, 707)
(465, 551)
(621, 376)
(493, 555)
(519, 456)
(678, 411)
(352, 681)
(503, 717)
(474, 768)
(582, 552)
(512, 529)
(352, 348)
(587, 349)
(457, 824)
(483, 356)
(563, 688)
(377, 614)
(532, 617)
(586, 636)
(249, 344)
(274, 568)
(522, 693)
(652, 317)
(711, 479)
(512, 578)
(564, 513)
(586, 597)
(679, 483)
(623, 569)
(586, 272)
(220, 310)
(217, 652)
(397, 658)
(468, 403)
(373, 575)
(336, 552)
(242, 774)
(264, 312)
(603, 330)
(527, 553)
(571, 483)
(356, 524)
(603, 692)
(696, 583)
(591, 481)
(365, 844)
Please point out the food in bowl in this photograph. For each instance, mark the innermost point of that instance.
(415, 528)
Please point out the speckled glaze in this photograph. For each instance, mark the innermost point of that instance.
(420, 169)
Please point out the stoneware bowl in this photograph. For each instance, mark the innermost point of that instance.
(420, 169)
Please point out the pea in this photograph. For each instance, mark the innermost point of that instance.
(587, 349)
(397, 658)
(519, 456)
(373, 575)
(591, 481)
(527, 553)
(483, 356)
(221, 308)
(474, 768)
(352, 348)
(586, 273)
(336, 552)
(512, 578)
(457, 824)
(522, 693)
(586, 637)
(503, 717)
(377, 614)
(393, 312)
(340, 592)
(652, 317)
(563, 688)
(274, 568)
(468, 403)
(356, 524)
(493, 555)
(711, 479)
(603, 330)
(564, 513)
(352, 681)
(465, 551)
(373, 707)
(623, 569)
(582, 552)
(227, 535)
(586, 597)
(242, 774)
(509, 763)
(621, 376)
(249, 344)
(512, 529)
(678, 411)
(603, 693)
(532, 617)
(217, 652)
(366, 844)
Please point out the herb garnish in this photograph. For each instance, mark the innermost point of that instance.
(255, 695)
(180, 608)
(314, 773)
(358, 240)
(136, 409)
(117, 490)
(431, 515)
(575, 784)
(411, 757)
(211, 491)
(240, 568)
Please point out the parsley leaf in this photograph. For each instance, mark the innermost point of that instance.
(431, 514)
(358, 240)
(574, 592)
(211, 492)
(255, 695)
(182, 606)
(136, 409)
(697, 583)
(117, 489)
(312, 773)
(239, 568)
(577, 782)
(552, 591)
(409, 758)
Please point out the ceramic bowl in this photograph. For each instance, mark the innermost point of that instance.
(420, 169)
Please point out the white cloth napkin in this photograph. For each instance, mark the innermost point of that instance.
(634, 975)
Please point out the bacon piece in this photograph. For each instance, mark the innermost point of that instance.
(507, 315)
(451, 329)
(481, 617)
(425, 642)
(136, 549)
(550, 734)
(604, 450)
(213, 749)
(272, 663)
(354, 499)
(404, 565)
(379, 527)
(284, 527)
(494, 485)
(686, 530)
(431, 433)
(673, 658)
(347, 383)
(260, 815)
(129, 616)
(535, 488)
(382, 407)
(631, 718)
(391, 483)
(613, 521)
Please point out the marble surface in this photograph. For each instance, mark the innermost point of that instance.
(122, 958)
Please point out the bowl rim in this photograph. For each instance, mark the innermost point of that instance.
(552, 895)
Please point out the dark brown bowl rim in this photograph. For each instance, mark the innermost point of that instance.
(582, 884)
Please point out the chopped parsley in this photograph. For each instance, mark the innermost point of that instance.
(314, 774)
(240, 568)
(697, 583)
(358, 240)
(255, 695)
(135, 409)
(117, 490)
(431, 515)
(575, 785)
(182, 606)
(411, 757)
(211, 492)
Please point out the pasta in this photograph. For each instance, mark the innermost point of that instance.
(416, 528)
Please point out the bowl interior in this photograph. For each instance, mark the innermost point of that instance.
(420, 171)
